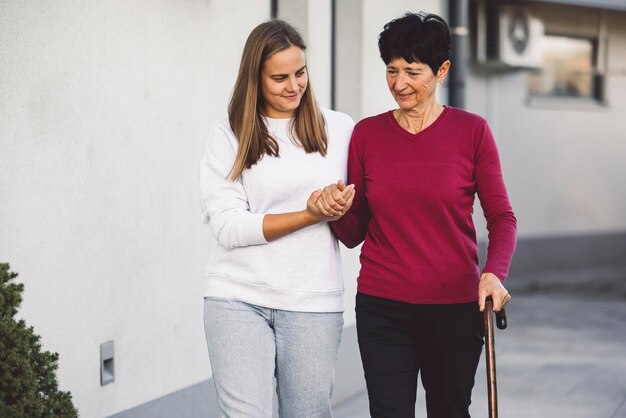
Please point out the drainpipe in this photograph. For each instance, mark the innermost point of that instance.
(458, 15)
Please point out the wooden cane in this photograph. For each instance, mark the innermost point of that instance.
(490, 354)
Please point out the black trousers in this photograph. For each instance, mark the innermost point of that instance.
(399, 340)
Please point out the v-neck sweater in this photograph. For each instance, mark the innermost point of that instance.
(414, 203)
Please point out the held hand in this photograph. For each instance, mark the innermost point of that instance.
(490, 285)
(319, 215)
(335, 199)
(311, 207)
(348, 194)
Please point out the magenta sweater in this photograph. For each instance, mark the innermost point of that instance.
(413, 207)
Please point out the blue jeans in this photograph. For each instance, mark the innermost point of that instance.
(256, 352)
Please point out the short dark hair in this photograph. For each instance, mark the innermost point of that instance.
(416, 37)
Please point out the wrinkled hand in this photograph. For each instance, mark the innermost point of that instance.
(313, 210)
(490, 285)
(330, 203)
(335, 200)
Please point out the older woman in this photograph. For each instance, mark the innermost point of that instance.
(416, 171)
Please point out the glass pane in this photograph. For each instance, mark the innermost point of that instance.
(568, 69)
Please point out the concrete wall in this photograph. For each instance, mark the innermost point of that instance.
(313, 20)
(104, 111)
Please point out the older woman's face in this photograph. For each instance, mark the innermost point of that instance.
(411, 84)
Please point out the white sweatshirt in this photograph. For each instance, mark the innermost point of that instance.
(298, 272)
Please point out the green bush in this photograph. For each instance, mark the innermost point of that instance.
(28, 385)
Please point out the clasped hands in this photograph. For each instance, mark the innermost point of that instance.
(334, 200)
(331, 202)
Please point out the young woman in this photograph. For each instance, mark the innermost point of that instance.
(274, 295)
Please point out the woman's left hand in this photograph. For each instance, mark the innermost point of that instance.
(335, 199)
(317, 210)
(490, 285)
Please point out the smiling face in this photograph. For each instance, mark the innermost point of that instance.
(413, 85)
(283, 82)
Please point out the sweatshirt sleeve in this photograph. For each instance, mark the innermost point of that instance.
(224, 203)
(351, 228)
(494, 200)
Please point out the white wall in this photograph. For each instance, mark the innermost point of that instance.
(312, 18)
(104, 110)
(348, 71)
(319, 49)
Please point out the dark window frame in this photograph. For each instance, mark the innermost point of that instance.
(597, 95)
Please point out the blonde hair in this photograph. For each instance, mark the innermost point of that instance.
(244, 110)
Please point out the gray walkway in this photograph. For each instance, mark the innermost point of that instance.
(562, 356)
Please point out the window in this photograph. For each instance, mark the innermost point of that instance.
(568, 71)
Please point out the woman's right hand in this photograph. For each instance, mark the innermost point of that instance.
(332, 202)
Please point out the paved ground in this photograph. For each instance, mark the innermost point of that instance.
(563, 354)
